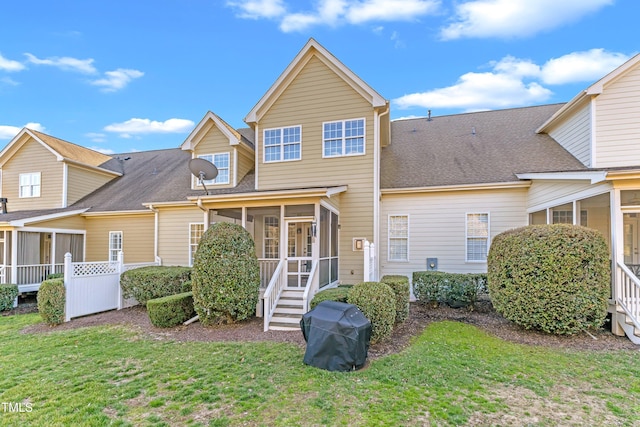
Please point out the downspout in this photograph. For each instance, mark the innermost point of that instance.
(376, 192)
(155, 234)
(205, 221)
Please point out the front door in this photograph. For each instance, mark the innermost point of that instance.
(299, 253)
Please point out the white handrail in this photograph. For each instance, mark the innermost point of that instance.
(272, 293)
(312, 285)
(628, 293)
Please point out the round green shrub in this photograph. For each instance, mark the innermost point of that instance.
(226, 275)
(377, 302)
(400, 287)
(8, 294)
(553, 278)
(339, 294)
(51, 301)
(152, 282)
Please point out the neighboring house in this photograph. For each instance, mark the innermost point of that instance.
(321, 172)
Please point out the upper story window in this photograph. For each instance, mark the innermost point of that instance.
(343, 138)
(30, 184)
(283, 144)
(221, 160)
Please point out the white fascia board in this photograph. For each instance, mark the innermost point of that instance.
(593, 176)
(22, 222)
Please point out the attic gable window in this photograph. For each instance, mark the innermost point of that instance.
(282, 144)
(29, 184)
(221, 160)
(343, 138)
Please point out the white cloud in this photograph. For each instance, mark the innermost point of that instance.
(516, 18)
(587, 66)
(10, 65)
(117, 79)
(335, 12)
(96, 137)
(9, 81)
(8, 132)
(255, 9)
(65, 63)
(137, 126)
(514, 82)
(107, 151)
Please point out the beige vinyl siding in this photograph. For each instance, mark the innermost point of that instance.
(215, 142)
(75, 222)
(81, 182)
(617, 131)
(317, 95)
(575, 135)
(33, 157)
(542, 193)
(246, 163)
(137, 237)
(437, 226)
(173, 233)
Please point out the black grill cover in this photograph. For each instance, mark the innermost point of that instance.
(337, 336)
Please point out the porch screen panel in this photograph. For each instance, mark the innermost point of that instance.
(334, 247)
(28, 248)
(325, 235)
(72, 243)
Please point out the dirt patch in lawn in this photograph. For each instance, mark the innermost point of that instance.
(484, 317)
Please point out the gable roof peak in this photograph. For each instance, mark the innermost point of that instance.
(314, 49)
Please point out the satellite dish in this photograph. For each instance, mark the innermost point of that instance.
(203, 170)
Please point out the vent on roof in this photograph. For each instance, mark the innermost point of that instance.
(428, 115)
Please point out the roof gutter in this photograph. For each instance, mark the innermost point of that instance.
(464, 187)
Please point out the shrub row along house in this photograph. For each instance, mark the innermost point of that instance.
(321, 171)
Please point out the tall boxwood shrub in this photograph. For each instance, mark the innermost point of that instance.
(400, 287)
(554, 278)
(152, 282)
(51, 301)
(226, 275)
(377, 302)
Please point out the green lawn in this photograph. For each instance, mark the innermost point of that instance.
(453, 374)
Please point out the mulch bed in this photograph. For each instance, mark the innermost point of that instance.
(420, 316)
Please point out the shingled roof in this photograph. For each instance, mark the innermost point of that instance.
(72, 151)
(472, 148)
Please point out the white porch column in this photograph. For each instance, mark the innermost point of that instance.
(617, 240)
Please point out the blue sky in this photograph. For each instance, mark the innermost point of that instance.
(121, 75)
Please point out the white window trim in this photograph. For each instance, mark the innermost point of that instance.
(31, 186)
(264, 236)
(228, 168)
(389, 259)
(466, 236)
(191, 253)
(111, 233)
(281, 145)
(364, 136)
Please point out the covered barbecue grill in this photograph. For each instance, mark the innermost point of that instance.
(337, 336)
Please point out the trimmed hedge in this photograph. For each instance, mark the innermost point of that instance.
(152, 282)
(340, 294)
(171, 310)
(553, 278)
(8, 294)
(226, 275)
(400, 287)
(51, 301)
(454, 289)
(378, 304)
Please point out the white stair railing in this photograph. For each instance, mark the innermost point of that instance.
(272, 293)
(628, 293)
(310, 289)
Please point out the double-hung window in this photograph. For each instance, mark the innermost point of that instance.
(398, 237)
(115, 245)
(477, 237)
(221, 160)
(343, 138)
(195, 234)
(29, 184)
(283, 144)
